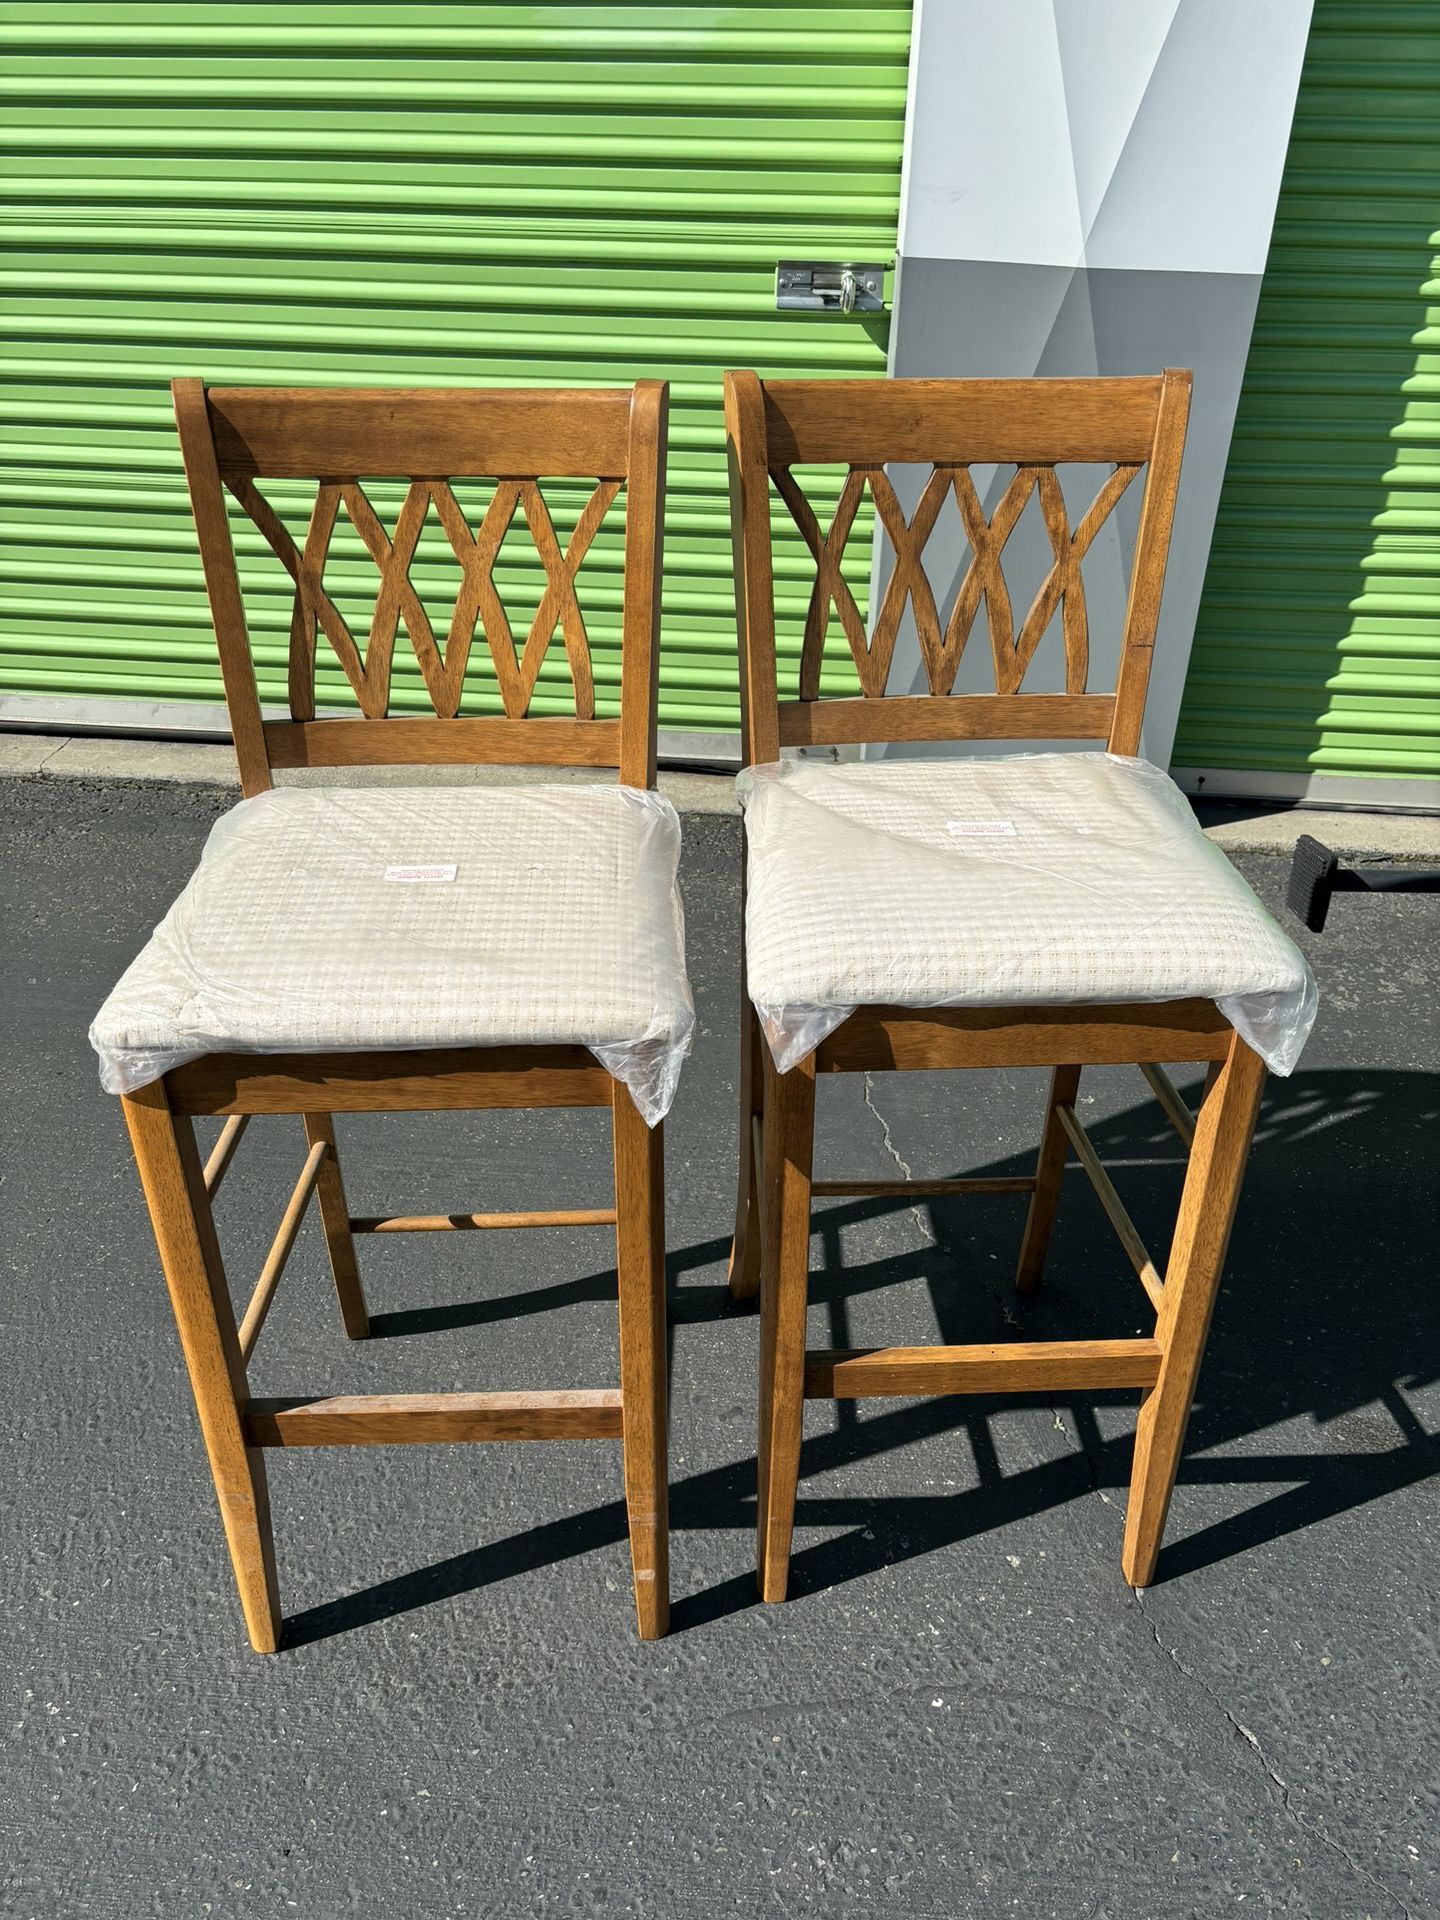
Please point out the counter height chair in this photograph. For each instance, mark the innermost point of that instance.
(366, 949)
(1058, 909)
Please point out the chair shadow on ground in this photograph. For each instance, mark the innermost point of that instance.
(1330, 1313)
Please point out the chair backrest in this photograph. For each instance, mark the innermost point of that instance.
(232, 437)
(775, 426)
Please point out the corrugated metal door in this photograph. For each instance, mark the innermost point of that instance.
(405, 194)
(1316, 665)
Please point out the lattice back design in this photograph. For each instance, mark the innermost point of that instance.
(478, 605)
(943, 645)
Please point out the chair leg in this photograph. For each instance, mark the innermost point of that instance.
(640, 1259)
(745, 1248)
(171, 1175)
(335, 1218)
(1223, 1132)
(1049, 1179)
(784, 1289)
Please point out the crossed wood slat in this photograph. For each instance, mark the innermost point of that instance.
(984, 578)
(477, 604)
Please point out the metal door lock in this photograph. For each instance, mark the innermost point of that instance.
(829, 286)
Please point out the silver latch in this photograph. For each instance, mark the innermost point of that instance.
(829, 286)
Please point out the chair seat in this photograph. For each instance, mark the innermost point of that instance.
(1023, 880)
(360, 919)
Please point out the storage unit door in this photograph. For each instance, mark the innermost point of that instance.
(1316, 666)
(478, 194)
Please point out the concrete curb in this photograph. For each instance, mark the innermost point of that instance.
(1239, 828)
(1254, 828)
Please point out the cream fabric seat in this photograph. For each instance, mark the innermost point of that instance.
(1023, 880)
(361, 919)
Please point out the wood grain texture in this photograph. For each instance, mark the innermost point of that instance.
(1032, 1366)
(831, 588)
(640, 1262)
(483, 1222)
(1049, 1178)
(1163, 1367)
(957, 716)
(907, 1039)
(1126, 1231)
(458, 432)
(236, 437)
(222, 584)
(427, 437)
(951, 425)
(478, 601)
(753, 566)
(281, 1248)
(406, 1419)
(1223, 1131)
(644, 570)
(223, 1152)
(1063, 586)
(789, 1130)
(1037, 426)
(440, 1080)
(237, 1427)
(174, 1186)
(313, 609)
(396, 598)
(1147, 569)
(743, 1277)
(959, 422)
(335, 1219)
(559, 604)
(759, 741)
(1168, 1094)
(306, 568)
(555, 741)
(984, 578)
(909, 584)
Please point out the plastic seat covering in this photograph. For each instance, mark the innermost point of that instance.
(364, 919)
(1022, 880)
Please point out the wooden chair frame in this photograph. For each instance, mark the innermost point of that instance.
(1036, 424)
(229, 438)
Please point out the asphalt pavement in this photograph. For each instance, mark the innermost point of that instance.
(962, 1711)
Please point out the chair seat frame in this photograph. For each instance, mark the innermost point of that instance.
(1138, 422)
(236, 434)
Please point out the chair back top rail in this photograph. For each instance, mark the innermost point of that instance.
(1134, 425)
(305, 433)
(232, 437)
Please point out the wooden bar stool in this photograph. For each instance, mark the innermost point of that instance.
(1055, 910)
(417, 949)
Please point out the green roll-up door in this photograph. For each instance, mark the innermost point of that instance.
(1316, 662)
(306, 193)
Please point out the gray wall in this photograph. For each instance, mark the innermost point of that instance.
(1089, 187)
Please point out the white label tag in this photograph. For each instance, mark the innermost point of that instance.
(983, 829)
(420, 873)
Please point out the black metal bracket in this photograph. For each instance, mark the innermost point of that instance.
(1316, 874)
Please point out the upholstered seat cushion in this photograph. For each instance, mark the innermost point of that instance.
(354, 919)
(1023, 880)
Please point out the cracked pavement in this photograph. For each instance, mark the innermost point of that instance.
(962, 1711)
